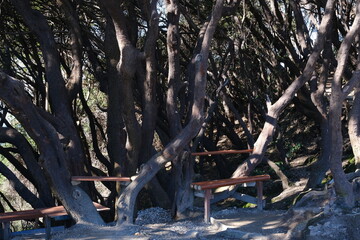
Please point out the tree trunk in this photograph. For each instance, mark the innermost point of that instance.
(183, 164)
(319, 168)
(172, 109)
(126, 69)
(149, 86)
(317, 88)
(354, 127)
(173, 45)
(115, 124)
(149, 102)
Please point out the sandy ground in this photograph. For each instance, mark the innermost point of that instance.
(155, 223)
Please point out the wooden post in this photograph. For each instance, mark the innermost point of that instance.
(6, 230)
(259, 189)
(207, 205)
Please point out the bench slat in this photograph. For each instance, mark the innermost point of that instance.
(221, 152)
(228, 182)
(21, 215)
(41, 212)
(46, 213)
(98, 178)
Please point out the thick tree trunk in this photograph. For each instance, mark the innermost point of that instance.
(115, 124)
(342, 185)
(126, 67)
(183, 164)
(317, 87)
(179, 172)
(157, 192)
(173, 45)
(149, 86)
(319, 168)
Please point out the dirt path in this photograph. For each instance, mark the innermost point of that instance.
(226, 224)
(252, 223)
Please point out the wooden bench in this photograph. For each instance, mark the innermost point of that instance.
(75, 180)
(208, 186)
(209, 153)
(46, 213)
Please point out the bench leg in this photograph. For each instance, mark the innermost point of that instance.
(259, 189)
(207, 205)
(47, 222)
(6, 230)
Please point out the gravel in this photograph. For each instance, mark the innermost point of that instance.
(153, 216)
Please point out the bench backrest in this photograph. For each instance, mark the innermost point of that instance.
(209, 153)
(98, 178)
(41, 212)
(21, 215)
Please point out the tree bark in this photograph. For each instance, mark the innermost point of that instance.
(126, 68)
(317, 88)
(173, 45)
(150, 107)
(150, 81)
(115, 124)
(172, 103)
